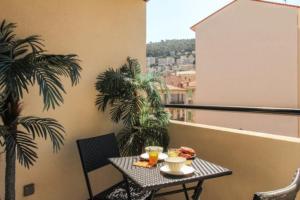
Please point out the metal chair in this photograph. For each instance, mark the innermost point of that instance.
(287, 193)
(94, 153)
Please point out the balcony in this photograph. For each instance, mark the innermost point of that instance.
(177, 102)
(108, 32)
(260, 162)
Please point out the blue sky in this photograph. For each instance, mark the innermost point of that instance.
(172, 19)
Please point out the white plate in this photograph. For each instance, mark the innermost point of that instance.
(161, 156)
(185, 170)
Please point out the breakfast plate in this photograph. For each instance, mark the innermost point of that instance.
(187, 152)
(189, 157)
(161, 156)
(185, 170)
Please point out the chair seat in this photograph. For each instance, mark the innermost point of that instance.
(118, 192)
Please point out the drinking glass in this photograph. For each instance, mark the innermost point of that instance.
(173, 152)
(153, 157)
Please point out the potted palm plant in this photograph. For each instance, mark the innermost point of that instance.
(24, 63)
(134, 100)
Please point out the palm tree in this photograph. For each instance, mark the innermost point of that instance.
(24, 63)
(134, 99)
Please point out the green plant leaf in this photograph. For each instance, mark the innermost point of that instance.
(44, 128)
(133, 98)
(24, 145)
(130, 141)
(3, 131)
(23, 62)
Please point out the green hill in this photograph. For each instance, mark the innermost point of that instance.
(166, 47)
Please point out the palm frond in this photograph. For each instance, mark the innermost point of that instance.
(2, 103)
(112, 86)
(132, 67)
(50, 86)
(132, 110)
(24, 62)
(6, 31)
(155, 134)
(163, 116)
(24, 146)
(102, 101)
(130, 141)
(3, 131)
(43, 128)
(151, 83)
(46, 72)
(15, 69)
(135, 100)
(29, 44)
(63, 65)
(15, 77)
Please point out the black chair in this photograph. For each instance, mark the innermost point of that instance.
(287, 193)
(94, 153)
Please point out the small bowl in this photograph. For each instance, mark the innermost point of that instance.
(175, 163)
(154, 148)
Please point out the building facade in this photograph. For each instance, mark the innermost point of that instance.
(247, 59)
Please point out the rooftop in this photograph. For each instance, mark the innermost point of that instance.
(234, 1)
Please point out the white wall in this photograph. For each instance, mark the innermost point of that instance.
(247, 56)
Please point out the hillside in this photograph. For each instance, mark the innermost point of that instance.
(166, 47)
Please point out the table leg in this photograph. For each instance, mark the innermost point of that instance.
(198, 190)
(152, 195)
(185, 192)
(127, 187)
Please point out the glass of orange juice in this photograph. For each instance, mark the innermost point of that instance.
(153, 157)
(173, 152)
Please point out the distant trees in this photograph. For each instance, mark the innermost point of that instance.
(166, 47)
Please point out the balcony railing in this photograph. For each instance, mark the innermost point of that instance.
(176, 102)
(245, 109)
(259, 161)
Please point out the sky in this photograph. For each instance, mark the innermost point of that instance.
(172, 19)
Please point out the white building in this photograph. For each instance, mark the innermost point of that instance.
(185, 59)
(170, 60)
(166, 61)
(151, 61)
(248, 54)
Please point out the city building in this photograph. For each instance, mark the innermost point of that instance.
(247, 59)
(161, 61)
(151, 61)
(181, 86)
(170, 60)
(166, 61)
(175, 95)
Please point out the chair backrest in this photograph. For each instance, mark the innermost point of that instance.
(287, 193)
(94, 153)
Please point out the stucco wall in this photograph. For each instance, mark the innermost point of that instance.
(247, 56)
(260, 162)
(103, 33)
(298, 72)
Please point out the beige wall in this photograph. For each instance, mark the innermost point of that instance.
(247, 56)
(260, 162)
(298, 72)
(103, 33)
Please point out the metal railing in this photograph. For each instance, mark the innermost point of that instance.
(245, 109)
(177, 102)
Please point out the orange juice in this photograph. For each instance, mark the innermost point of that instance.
(153, 157)
(172, 152)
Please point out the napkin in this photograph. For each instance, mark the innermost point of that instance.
(144, 164)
